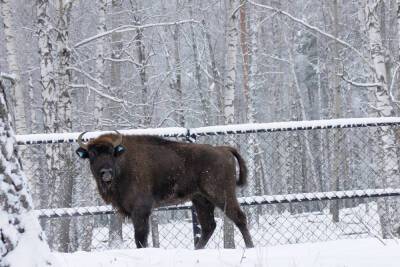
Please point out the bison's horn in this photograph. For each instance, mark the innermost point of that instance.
(81, 144)
(119, 140)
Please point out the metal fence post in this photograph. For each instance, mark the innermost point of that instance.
(195, 222)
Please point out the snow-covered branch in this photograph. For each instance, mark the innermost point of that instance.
(90, 77)
(358, 84)
(128, 28)
(7, 76)
(91, 88)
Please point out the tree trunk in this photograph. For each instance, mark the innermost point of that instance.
(18, 99)
(100, 66)
(178, 74)
(19, 224)
(61, 164)
(388, 208)
(49, 95)
(115, 234)
(398, 30)
(338, 141)
(204, 97)
(216, 81)
(249, 47)
(229, 93)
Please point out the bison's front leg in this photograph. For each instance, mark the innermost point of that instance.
(140, 219)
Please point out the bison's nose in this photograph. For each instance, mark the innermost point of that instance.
(106, 174)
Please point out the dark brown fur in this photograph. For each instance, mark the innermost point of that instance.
(155, 172)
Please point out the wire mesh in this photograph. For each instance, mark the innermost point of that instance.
(279, 163)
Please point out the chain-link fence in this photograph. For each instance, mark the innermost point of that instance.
(307, 182)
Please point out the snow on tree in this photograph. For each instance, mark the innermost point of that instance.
(14, 68)
(22, 242)
(55, 80)
(389, 208)
(231, 36)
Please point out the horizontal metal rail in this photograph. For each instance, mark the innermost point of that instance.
(244, 201)
(217, 130)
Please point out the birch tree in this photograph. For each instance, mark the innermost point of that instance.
(249, 47)
(115, 233)
(99, 102)
(12, 56)
(388, 208)
(231, 36)
(18, 90)
(56, 111)
(177, 70)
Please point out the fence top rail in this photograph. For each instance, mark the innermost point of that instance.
(252, 200)
(216, 130)
(295, 125)
(48, 138)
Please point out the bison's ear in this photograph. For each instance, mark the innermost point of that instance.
(118, 150)
(82, 153)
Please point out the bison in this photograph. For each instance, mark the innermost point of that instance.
(138, 173)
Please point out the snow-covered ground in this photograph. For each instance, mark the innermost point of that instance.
(341, 253)
(272, 229)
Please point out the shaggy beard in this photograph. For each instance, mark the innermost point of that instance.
(105, 189)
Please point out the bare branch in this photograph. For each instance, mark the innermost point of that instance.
(90, 77)
(392, 85)
(315, 29)
(128, 28)
(357, 84)
(8, 76)
(112, 98)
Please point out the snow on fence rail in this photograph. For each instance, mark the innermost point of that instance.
(216, 130)
(244, 201)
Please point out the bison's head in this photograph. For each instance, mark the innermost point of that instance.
(103, 153)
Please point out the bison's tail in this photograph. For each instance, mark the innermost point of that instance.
(242, 167)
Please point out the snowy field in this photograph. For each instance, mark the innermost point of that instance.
(272, 229)
(341, 253)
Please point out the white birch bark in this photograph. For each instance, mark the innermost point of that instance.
(11, 49)
(388, 208)
(17, 92)
(249, 47)
(47, 81)
(56, 113)
(229, 91)
(115, 233)
(231, 53)
(398, 29)
(100, 66)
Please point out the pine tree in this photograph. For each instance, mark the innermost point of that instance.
(21, 239)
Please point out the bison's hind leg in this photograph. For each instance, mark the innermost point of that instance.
(205, 214)
(231, 208)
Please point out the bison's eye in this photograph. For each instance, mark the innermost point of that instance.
(118, 150)
(92, 154)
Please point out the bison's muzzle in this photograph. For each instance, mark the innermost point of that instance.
(106, 174)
